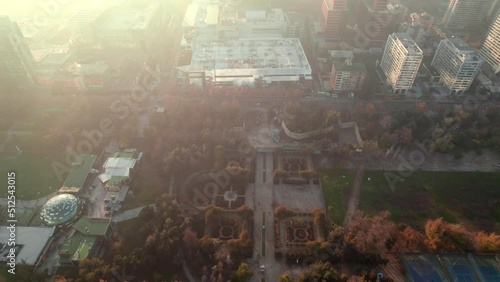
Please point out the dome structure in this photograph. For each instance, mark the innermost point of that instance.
(61, 210)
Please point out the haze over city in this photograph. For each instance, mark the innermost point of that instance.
(250, 140)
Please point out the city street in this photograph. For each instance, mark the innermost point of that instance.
(263, 210)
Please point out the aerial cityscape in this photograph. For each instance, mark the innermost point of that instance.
(250, 140)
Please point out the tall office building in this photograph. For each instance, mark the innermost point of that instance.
(16, 60)
(490, 51)
(374, 20)
(334, 12)
(457, 64)
(400, 62)
(462, 14)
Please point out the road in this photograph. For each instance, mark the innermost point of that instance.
(264, 186)
(354, 196)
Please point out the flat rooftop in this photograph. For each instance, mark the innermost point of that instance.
(31, 241)
(127, 153)
(460, 44)
(92, 226)
(354, 67)
(249, 54)
(407, 42)
(77, 247)
(78, 174)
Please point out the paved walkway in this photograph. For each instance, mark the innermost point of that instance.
(264, 248)
(400, 160)
(129, 214)
(354, 196)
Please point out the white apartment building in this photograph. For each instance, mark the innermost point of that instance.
(247, 62)
(490, 51)
(457, 63)
(401, 61)
(466, 13)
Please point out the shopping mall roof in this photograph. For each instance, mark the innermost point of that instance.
(275, 55)
(78, 174)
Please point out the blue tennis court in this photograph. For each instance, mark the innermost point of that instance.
(489, 273)
(462, 273)
(422, 270)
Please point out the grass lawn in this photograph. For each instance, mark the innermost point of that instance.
(147, 185)
(128, 229)
(25, 126)
(34, 175)
(470, 198)
(336, 187)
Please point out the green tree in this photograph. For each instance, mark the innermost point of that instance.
(242, 274)
(285, 278)
(322, 271)
(93, 270)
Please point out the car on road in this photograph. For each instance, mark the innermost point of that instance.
(262, 268)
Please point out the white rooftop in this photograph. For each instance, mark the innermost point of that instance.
(247, 54)
(408, 43)
(119, 163)
(31, 240)
(116, 171)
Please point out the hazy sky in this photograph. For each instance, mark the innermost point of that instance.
(26, 8)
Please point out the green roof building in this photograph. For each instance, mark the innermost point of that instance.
(78, 175)
(87, 240)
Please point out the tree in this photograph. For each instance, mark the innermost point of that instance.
(370, 235)
(488, 243)
(190, 240)
(285, 278)
(321, 271)
(409, 240)
(279, 173)
(242, 274)
(93, 270)
(442, 236)
(405, 136)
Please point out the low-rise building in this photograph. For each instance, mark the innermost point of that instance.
(87, 240)
(346, 75)
(247, 62)
(31, 243)
(79, 174)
